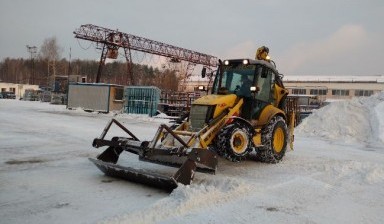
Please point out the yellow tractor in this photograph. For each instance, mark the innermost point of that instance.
(245, 113)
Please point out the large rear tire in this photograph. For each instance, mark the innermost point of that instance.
(234, 142)
(274, 138)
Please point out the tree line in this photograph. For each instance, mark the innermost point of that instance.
(35, 72)
(48, 63)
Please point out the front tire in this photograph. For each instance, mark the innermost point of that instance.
(274, 138)
(234, 142)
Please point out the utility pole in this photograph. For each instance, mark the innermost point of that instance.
(69, 63)
(32, 50)
(69, 73)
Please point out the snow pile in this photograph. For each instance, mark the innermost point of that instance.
(356, 120)
(187, 199)
(357, 172)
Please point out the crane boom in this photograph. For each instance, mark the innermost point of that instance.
(115, 38)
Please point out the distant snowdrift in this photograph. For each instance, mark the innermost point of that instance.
(357, 120)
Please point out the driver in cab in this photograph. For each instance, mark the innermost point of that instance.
(245, 88)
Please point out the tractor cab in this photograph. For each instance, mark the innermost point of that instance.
(252, 80)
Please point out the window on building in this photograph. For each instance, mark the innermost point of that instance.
(361, 92)
(119, 94)
(299, 91)
(319, 92)
(340, 92)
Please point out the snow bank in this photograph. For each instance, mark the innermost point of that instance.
(379, 110)
(356, 120)
(187, 199)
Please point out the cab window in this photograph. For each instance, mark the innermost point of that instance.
(264, 82)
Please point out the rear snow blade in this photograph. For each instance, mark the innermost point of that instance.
(136, 175)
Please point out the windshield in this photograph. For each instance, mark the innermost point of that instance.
(233, 78)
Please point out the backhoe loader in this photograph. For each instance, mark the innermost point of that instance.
(245, 113)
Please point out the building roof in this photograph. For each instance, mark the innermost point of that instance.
(320, 78)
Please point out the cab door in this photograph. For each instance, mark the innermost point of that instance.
(264, 97)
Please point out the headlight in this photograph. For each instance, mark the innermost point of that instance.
(226, 62)
(245, 61)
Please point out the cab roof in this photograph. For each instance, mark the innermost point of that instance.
(253, 62)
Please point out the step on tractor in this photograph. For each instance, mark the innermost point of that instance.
(246, 114)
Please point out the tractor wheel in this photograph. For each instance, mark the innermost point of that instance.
(274, 138)
(234, 142)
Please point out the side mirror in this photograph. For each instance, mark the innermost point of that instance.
(203, 72)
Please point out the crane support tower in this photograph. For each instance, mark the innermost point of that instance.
(112, 40)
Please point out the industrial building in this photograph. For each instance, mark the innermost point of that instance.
(324, 87)
(334, 87)
(17, 89)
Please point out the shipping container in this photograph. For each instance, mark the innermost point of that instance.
(98, 97)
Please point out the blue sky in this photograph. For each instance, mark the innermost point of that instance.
(307, 37)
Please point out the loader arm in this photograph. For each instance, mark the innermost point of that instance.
(212, 130)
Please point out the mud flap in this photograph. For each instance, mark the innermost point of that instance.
(136, 175)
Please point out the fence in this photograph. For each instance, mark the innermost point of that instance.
(141, 99)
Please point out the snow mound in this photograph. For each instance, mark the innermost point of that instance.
(356, 120)
(186, 199)
(357, 172)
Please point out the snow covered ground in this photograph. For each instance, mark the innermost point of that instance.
(334, 175)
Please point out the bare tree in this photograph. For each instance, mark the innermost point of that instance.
(50, 51)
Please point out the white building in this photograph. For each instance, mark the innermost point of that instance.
(325, 87)
(17, 89)
(193, 85)
(334, 87)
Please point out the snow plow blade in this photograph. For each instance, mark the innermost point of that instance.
(187, 159)
(136, 175)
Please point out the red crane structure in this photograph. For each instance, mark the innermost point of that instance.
(112, 40)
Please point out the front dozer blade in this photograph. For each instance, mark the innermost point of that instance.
(186, 172)
(187, 159)
(110, 155)
(136, 175)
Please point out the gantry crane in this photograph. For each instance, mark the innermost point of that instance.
(112, 40)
